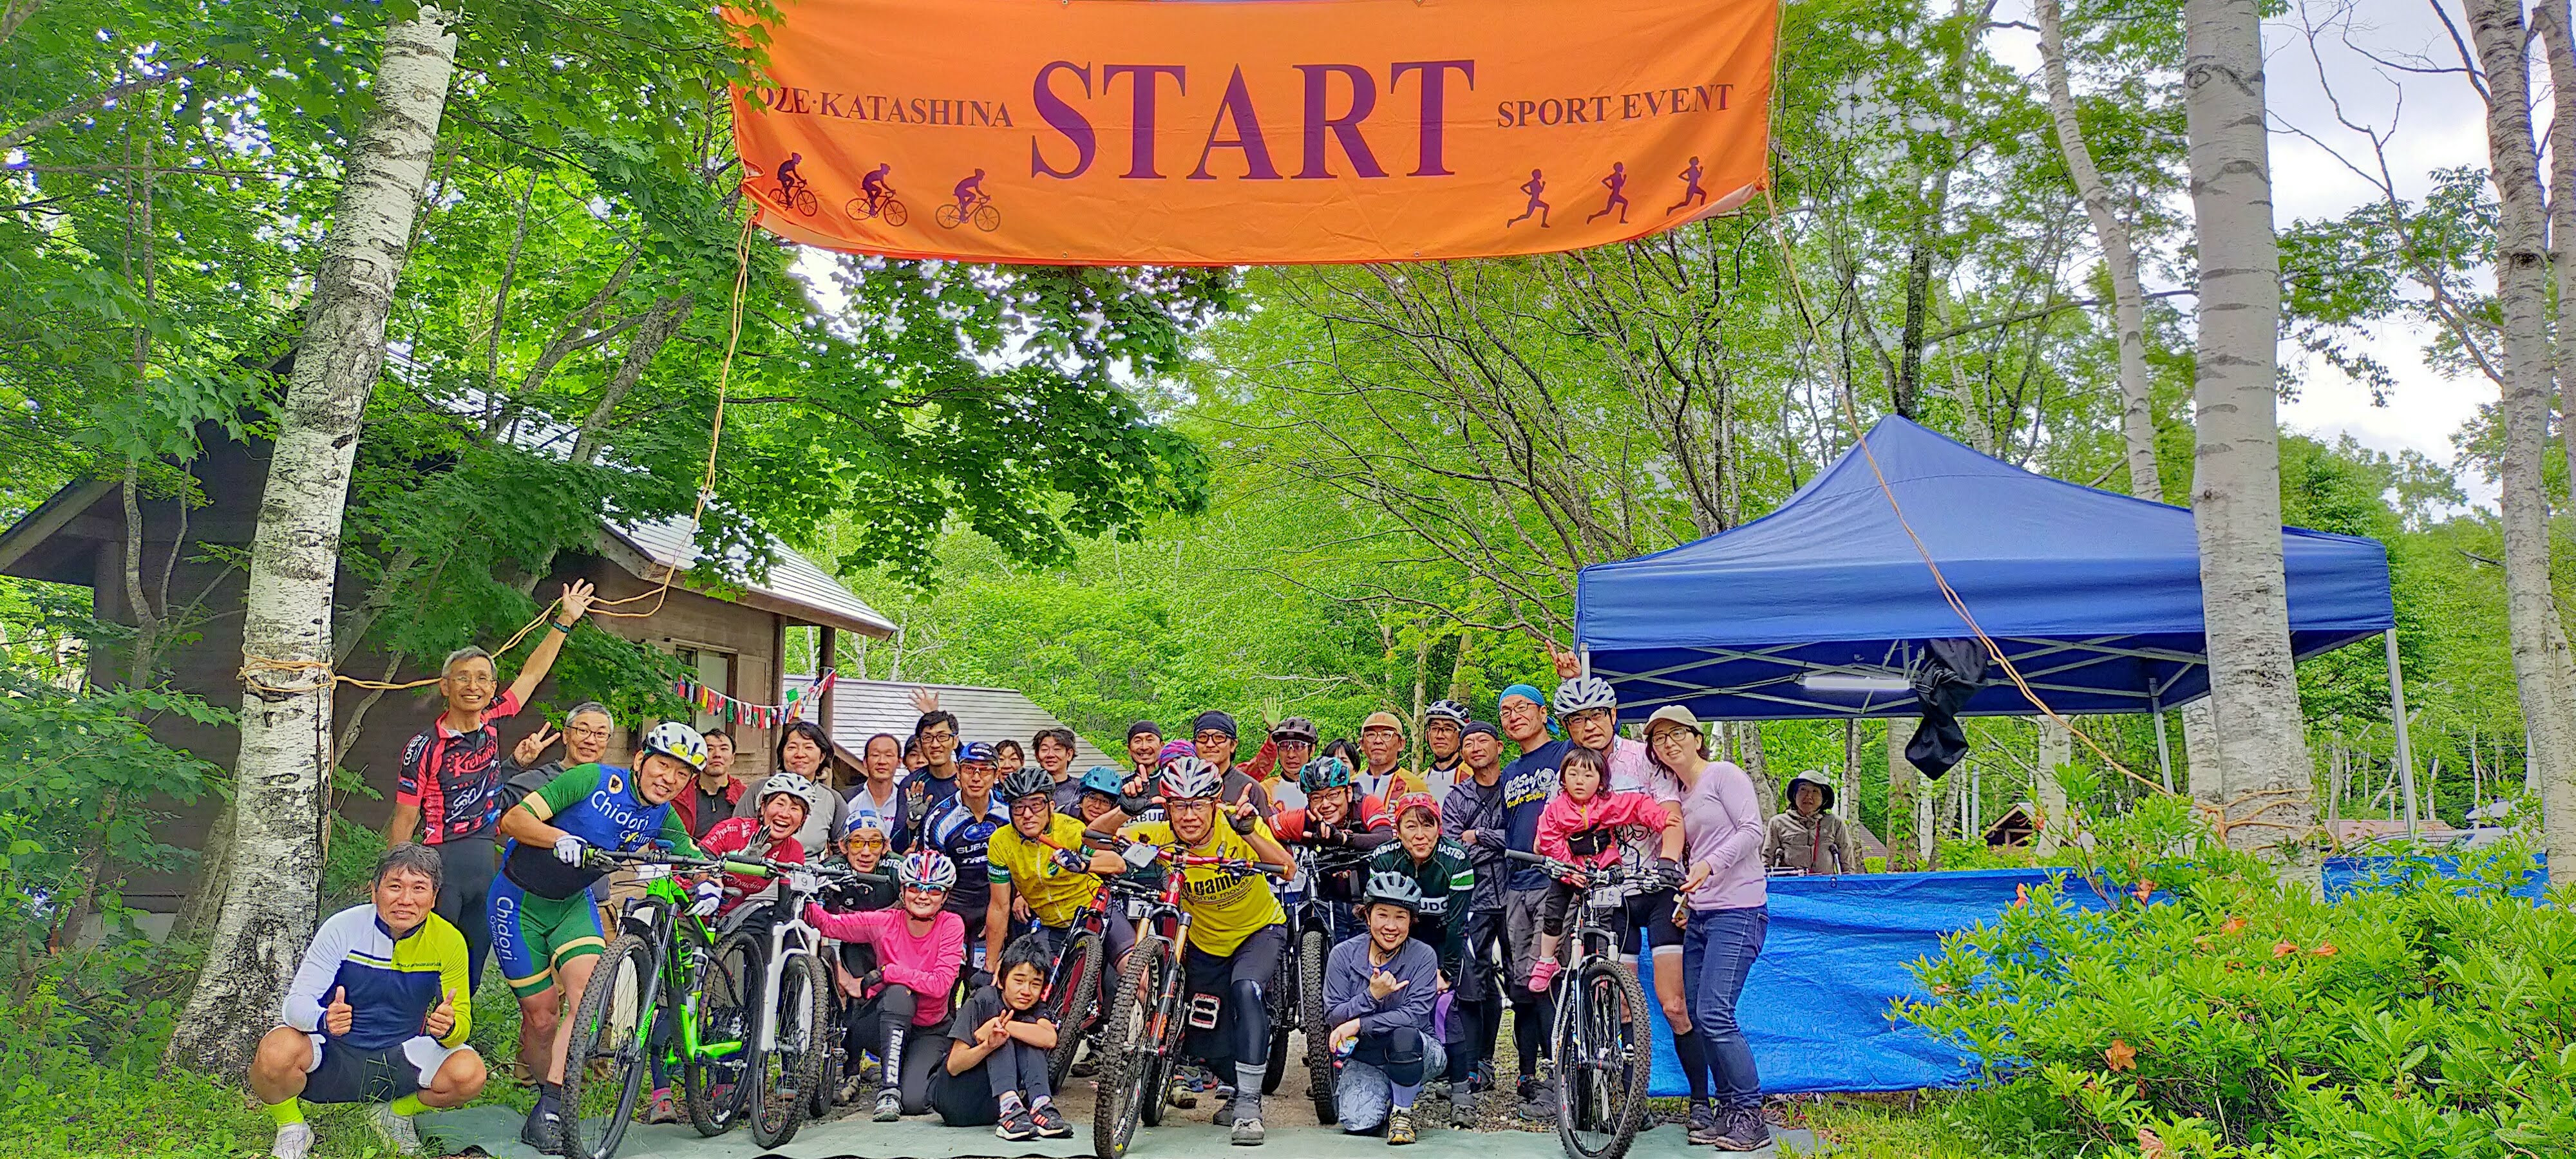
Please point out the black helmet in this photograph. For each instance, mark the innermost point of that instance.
(1029, 781)
(1294, 728)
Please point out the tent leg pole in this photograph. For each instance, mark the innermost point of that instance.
(2164, 748)
(2397, 720)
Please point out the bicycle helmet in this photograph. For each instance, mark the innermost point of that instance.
(1324, 773)
(1105, 780)
(1389, 887)
(1415, 800)
(1296, 728)
(1030, 781)
(1187, 778)
(789, 783)
(1448, 710)
(1172, 751)
(1583, 694)
(678, 742)
(926, 869)
(977, 753)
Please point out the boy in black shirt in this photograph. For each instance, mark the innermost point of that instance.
(997, 1054)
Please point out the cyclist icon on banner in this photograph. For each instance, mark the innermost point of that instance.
(876, 199)
(793, 190)
(973, 204)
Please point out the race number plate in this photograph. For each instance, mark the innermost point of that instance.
(649, 872)
(1607, 897)
(1136, 909)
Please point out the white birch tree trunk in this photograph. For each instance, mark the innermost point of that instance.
(2540, 663)
(2263, 779)
(1904, 834)
(2056, 747)
(275, 854)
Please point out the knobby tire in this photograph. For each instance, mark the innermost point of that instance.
(1081, 994)
(610, 1027)
(788, 1072)
(726, 989)
(1609, 1023)
(1319, 1036)
(1128, 1070)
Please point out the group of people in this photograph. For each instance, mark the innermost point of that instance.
(988, 855)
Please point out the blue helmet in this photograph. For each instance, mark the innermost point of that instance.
(1105, 780)
(977, 753)
(1324, 773)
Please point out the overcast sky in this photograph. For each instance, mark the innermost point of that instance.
(2439, 122)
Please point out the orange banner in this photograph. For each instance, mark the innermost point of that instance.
(1122, 132)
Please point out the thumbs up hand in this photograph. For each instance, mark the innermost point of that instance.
(337, 1015)
(442, 1018)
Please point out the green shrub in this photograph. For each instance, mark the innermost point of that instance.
(2231, 1015)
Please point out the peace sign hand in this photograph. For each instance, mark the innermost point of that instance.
(533, 745)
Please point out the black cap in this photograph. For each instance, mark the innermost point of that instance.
(1144, 728)
(1213, 719)
(1477, 726)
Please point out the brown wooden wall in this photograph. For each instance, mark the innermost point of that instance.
(90, 550)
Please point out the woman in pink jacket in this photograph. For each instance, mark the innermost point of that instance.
(919, 947)
(1582, 825)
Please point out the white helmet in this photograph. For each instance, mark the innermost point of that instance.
(1188, 777)
(1584, 693)
(926, 869)
(678, 742)
(787, 783)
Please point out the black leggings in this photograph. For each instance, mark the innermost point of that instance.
(466, 867)
(1240, 978)
(909, 1052)
(1477, 1015)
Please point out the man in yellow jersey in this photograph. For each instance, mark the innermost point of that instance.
(1237, 929)
(1040, 858)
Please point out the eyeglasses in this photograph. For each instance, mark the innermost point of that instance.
(935, 736)
(472, 679)
(588, 733)
(1680, 736)
(1521, 708)
(1213, 737)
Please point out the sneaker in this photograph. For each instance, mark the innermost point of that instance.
(1050, 1122)
(294, 1140)
(544, 1128)
(1180, 1096)
(1399, 1127)
(1248, 1132)
(1542, 974)
(1744, 1130)
(395, 1130)
(1704, 1127)
(662, 1109)
(1016, 1126)
(1538, 1100)
(852, 1087)
(889, 1106)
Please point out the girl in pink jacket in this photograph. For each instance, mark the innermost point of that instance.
(920, 946)
(1582, 825)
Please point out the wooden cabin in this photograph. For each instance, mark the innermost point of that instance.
(733, 636)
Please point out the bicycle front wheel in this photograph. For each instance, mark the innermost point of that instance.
(1313, 951)
(1603, 1061)
(1077, 992)
(987, 218)
(1130, 1086)
(785, 1072)
(715, 1071)
(805, 201)
(894, 212)
(604, 1062)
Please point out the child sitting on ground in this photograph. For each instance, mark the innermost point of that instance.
(997, 1054)
(1581, 826)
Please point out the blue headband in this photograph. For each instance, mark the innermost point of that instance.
(1528, 693)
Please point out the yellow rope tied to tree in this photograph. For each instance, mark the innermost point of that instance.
(319, 675)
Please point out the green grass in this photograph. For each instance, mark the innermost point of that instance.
(1885, 1127)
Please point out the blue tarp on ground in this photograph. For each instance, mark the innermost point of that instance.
(2096, 596)
(2343, 875)
(1816, 1005)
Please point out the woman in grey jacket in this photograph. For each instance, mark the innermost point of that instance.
(1807, 837)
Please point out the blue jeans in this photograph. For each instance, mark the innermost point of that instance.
(1718, 948)
(1365, 1089)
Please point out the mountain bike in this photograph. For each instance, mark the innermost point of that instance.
(888, 207)
(1081, 964)
(789, 1025)
(657, 990)
(837, 1065)
(1604, 1058)
(1146, 1019)
(1297, 995)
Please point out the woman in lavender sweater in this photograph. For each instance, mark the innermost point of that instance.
(1722, 932)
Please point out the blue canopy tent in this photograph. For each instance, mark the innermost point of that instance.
(1820, 608)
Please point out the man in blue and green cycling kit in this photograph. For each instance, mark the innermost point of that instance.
(545, 929)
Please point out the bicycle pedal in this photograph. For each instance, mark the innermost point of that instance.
(1203, 1011)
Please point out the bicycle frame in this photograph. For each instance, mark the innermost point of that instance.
(681, 941)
